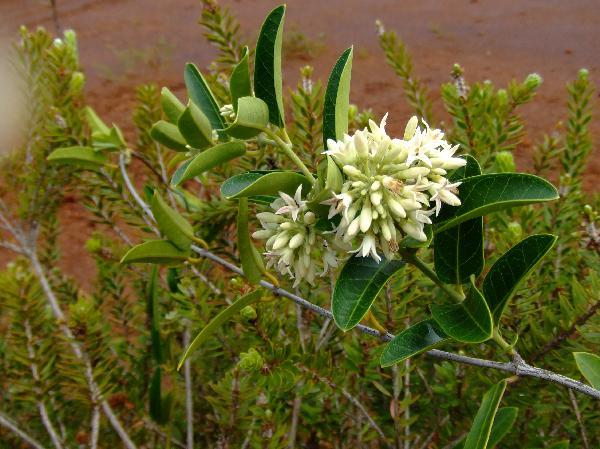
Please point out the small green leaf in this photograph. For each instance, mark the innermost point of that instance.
(239, 83)
(267, 65)
(171, 106)
(201, 94)
(458, 251)
(84, 157)
(251, 118)
(359, 283)
(337, 99)
(210, 158)
(195, 127)
(171, 223)
(589, 365)
(218, 321)
(263, 183)
(479, 434)
(334, 179)
(416, 339)
(168, 135)
(504, 421)
(483, 194)
(252, 263)
(96, 124)
(469, 321)
(155, 251)
(511, 268)
(112, 141)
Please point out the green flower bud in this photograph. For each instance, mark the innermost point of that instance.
(352, 112)
(515, 230)
(502, 96)
(250, 361)
(505, 162)
(583, 74)
(76, 83)
(533, 81)
(93, 245)
(248, 313)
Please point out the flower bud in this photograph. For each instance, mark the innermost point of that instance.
(248, 313)
(350, 170)
(515, 230)
(296, 241)
(411, 127)
(361, 144)
(250, 361)
(505, 162)
(533, 81)
(76, 83)
(583, 74)
(309, 218)
(93, 245)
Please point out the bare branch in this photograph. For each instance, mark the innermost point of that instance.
(9, 424)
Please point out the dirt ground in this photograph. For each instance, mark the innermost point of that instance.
(127, 42)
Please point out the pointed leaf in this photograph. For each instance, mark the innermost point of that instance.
(168, 135)
(96, 124)
(267, 65)
(416, 339)
(251, 118)
(458, 251)
(469, 321)
(171, 223)
(479, 434)
(511, 268)
(483, 194)
(210, 158)
(84, 157)
(201, 94)
(177, 174)
(505, 419)
(239, 84)
(218, 321)
(171, 106)
(155, 251)
(359, 283)
(589, 365)
(337, 99)
(251, 264)
(195, 127)
(263, 183)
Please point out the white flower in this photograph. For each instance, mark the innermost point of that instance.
(294, 247)
(390, 184)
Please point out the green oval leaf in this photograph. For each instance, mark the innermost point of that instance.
(337, 99)
(589, 365)
(479, 434)
(458, 251)
(195, 127)
(170, 222)
(171, 106)
(201, 94)
(483, 194)
(239, 83)
(359, 283)
(168, 135)
(263, 183)
(218, 321)
(252, 263)
(469, 321)
(511, 268)
(155, 251)
(416, 339)
(84, 157)
(208, 159)
(267, 65)
(504, 421)
(251, 118)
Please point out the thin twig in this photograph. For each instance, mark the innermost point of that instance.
(584, 437)
(8, 423)
(95, 427)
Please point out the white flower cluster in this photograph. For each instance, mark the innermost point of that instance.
(294, 246)
(389, 185)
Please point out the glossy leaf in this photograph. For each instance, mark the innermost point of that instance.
(458, 251)
(357, 286)
(170, 223)
(483, 194)
(251, 118)
(218, 321)
(252, 263)
(195, 127)
(469, 321)
(201, 94)
(168, 135)
(337, 99)
(511, 268)
(84, 157)
(210, 158)
(267, 65)
(589, 365)
(263, 183)
(171, 106)
(504, 421)
(155, 251)
(239, 83)
(479, 435)
(416, 339)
